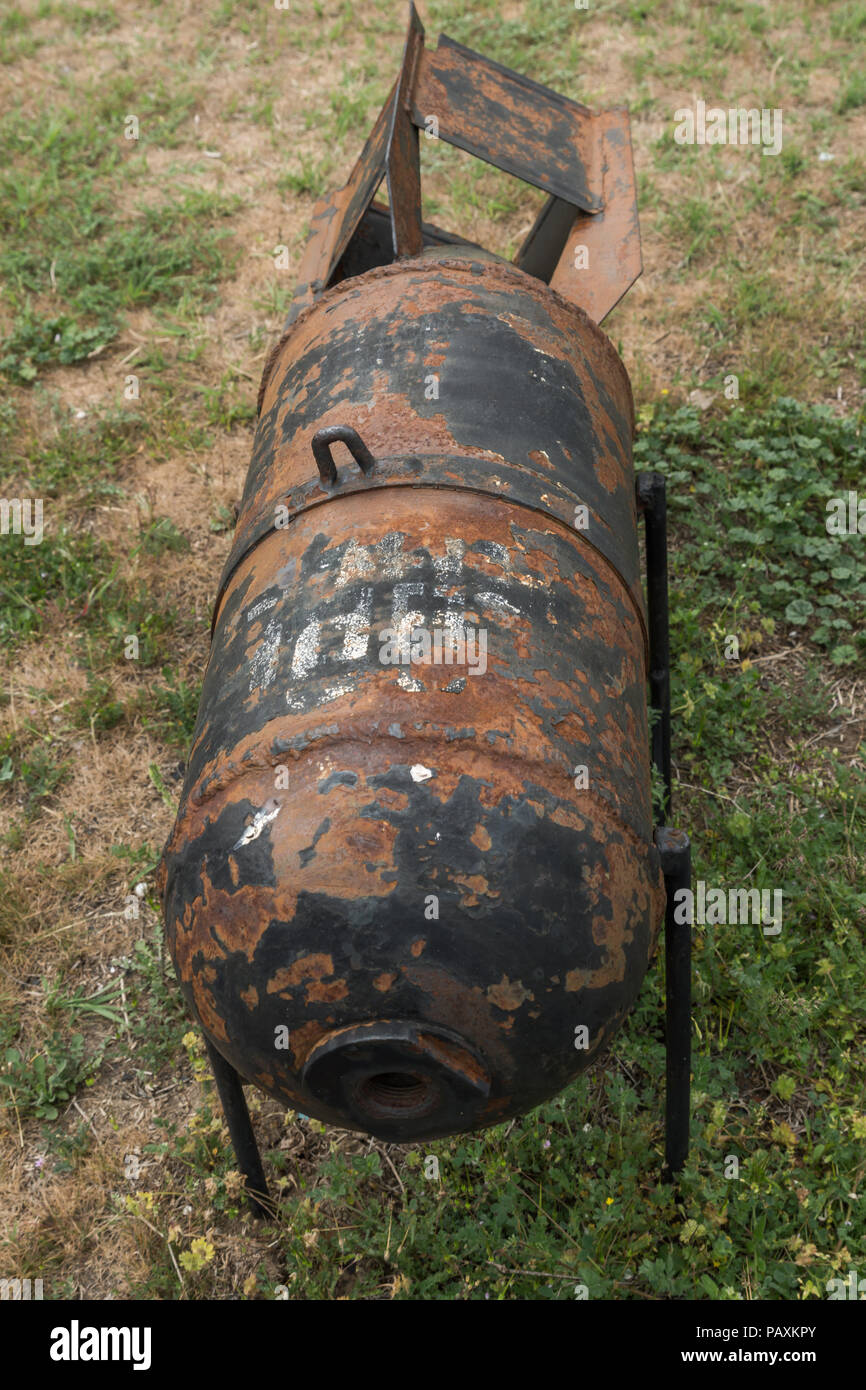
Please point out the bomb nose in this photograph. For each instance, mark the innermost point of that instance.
(398, 1080)
(397, 1095)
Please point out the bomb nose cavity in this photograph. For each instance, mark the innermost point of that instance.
(398, 1080)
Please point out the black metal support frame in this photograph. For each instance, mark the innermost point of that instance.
(676, 855)
(652, 501)
(673, 845)
(231, 1094)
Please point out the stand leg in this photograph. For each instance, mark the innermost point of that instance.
(231, 1094)
(673, 845)
(676, 856)
(652, 500)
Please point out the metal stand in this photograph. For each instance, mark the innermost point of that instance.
(652, 501)
(676, 856)
(673, 845)
(231, 1094)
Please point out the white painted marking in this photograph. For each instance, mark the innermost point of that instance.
(391, 556)
(263, 664)
(355, 564)
(493, 600)
(333, 692)
(356, 626)
(269, 812)
(411, 683)
(261, 607)
(306, 653)
(449, 568)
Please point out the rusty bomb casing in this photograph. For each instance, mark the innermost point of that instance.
(399, 861)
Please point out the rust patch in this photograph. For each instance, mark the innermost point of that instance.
(541, 458)
(508, 994)
(308, 968)
(457, 1058)
(304, 1039)
(323, 993)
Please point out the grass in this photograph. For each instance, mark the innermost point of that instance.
(97, 266)
(60, 573)
(149, 259)
(764, 482)
(75, 577)
(38, 1083)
